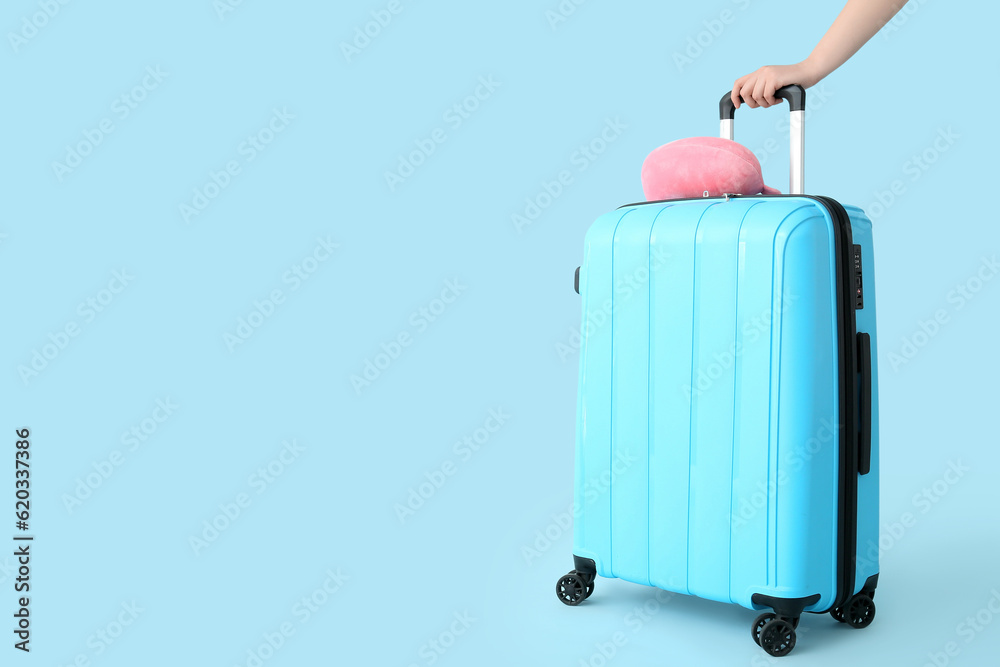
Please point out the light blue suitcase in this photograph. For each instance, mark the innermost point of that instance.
(727, 420)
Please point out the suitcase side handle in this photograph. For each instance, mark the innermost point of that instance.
(796, 96)
(865, 435)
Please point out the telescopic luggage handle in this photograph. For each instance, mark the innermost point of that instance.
(796, 96)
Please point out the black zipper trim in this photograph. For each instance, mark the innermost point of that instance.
(847, 514)
(847, 501)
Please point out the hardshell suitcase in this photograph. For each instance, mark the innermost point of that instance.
(727, 419)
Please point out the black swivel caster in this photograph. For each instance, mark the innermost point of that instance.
(761, 621)
(860, 611)
(777, 636)
(574, 588)
(759, 624)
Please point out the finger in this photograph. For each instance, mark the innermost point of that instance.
(769, 90)
(735, 95)
(747, 93)
(758, 92)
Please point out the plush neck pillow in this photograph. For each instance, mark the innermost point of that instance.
(691, 167)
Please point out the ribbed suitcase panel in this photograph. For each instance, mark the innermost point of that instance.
(760, 302)
(629, 398)
(713, 322)
(805, 451)
(670, 396)
(592, 497)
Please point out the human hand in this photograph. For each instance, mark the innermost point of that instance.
(757, 88)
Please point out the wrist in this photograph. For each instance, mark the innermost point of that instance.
(811, 72)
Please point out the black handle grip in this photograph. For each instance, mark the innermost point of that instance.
(576, 280)
(794, 93)
(865, 435)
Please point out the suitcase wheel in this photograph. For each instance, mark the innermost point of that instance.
(777, 636)
(860, 611)
(574, 588)
(759, 624)
(762, 620)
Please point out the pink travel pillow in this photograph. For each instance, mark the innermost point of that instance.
(691, 167)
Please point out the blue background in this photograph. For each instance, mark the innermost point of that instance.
(490, 539)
